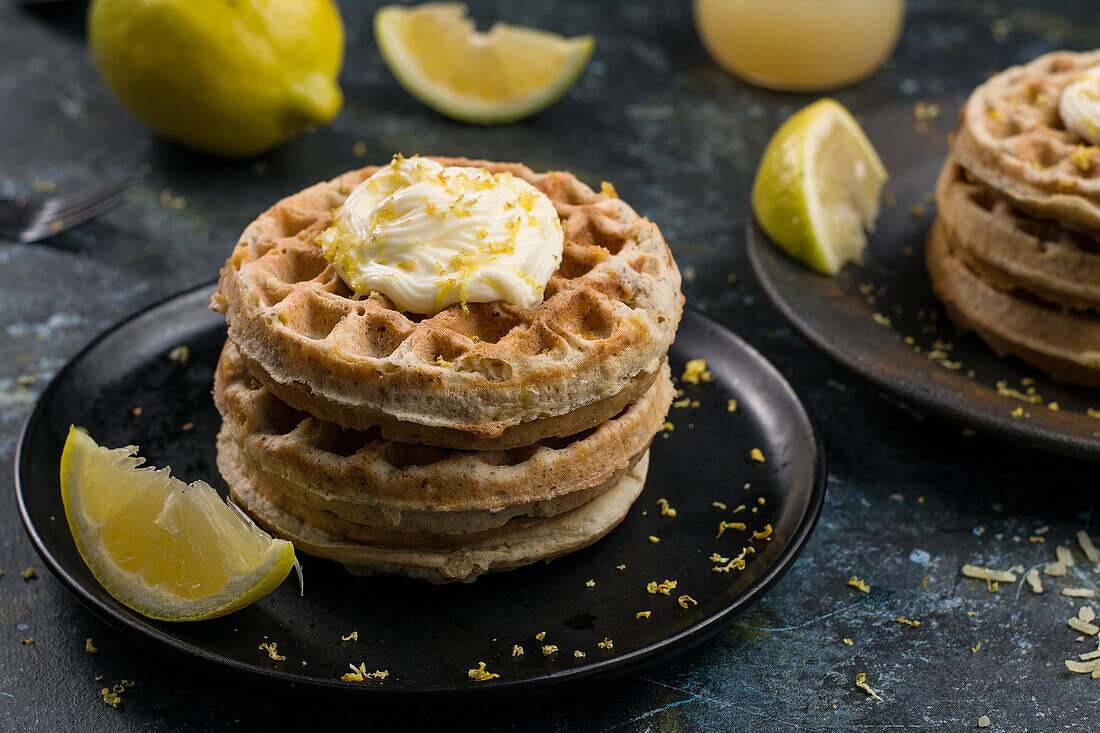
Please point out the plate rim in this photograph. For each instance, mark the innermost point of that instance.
(918, 393)
(599, 670)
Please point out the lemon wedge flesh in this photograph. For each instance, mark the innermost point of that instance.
(169, 550)
(500, 76)
(818, 187)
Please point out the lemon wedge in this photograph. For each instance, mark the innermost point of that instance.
(500, 76)
(818, 187)
(169, 550)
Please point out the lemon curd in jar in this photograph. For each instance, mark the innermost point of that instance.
(801, 45)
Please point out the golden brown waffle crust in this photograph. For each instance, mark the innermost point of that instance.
(1065, 344)
(1008, 250)
(609, 315)
(527, 543)
(346, 468)
(1010, 137)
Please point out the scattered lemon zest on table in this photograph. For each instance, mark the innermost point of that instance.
(757, 455)
(976, 647)
(540, 636)
(517, 650)
(29, 574)
(723, 526)
(606, 643)
(908, 622)
(664, 588)
(548, 649)
(353, 636)
(654, 539)
(762, 534)
(718, 505)
(89, 647)
(848, 641)
(731, 405)
(861, 683)
(579, 654)
(859, 585)
(642, 614)
(687, 601)
(666, 510)
(28, 640)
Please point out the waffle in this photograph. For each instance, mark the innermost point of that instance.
(516, 544)
(1011, 251)
(405, 489)
(491, 377)
(1011, 138)
(1063, 343)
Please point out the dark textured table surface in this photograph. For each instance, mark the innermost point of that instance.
(910, 499)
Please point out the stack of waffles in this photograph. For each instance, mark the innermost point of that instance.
(1014, 253)
(442, 447)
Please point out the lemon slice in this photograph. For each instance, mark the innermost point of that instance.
(500, 76)
(818, 187)
(169, 550)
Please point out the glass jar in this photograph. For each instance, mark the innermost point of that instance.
(800, 45)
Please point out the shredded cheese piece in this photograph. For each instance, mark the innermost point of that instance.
(1082, 667)
(1086, 614)
(270, 648)
(1079, 592)
(480, 674)
(1065, 556)
(861, 683)
(1082, 627)
(984, 721)
(1034, 581)
(1055, 569)
(1091, 553)
(986, 574)
(859, 585)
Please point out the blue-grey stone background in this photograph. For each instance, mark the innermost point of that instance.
(910, 499)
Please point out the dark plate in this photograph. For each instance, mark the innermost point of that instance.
(838, 314)
(429, 636)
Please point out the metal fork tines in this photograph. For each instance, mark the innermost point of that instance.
(30, 220)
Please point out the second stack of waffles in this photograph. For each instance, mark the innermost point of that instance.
(441, 447)
(1014, 253)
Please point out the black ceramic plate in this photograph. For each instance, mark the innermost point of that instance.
(428, 637)
(838, 314)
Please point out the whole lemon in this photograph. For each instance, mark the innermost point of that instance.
(227, 77)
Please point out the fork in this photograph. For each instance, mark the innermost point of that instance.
(31, 220)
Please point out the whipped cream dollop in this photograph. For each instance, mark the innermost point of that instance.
(428, 235)
(1079, 105)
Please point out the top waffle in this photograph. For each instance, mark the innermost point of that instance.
(1011, 138)
(493, 375)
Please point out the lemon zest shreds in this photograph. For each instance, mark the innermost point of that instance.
(907, 621)
(695, 372)
(859, 585)
(579, 654)
(272, 650)
(111, 698)
(718, 505)
(549, 649)
(715, 557)
(29, 574)
(541, 635)
(353, 636)
(654, 539)
(762, 534)
(89, 647)
(666, 428)
(861, 683)
(976, 647)
(664, 588)
(687, 601)
(642, 614)
(848, 641)
(480, 674)
(731, 405)
(757, 455)
(517, 650)
(606, 643)
(723, 526)
(666, 510)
